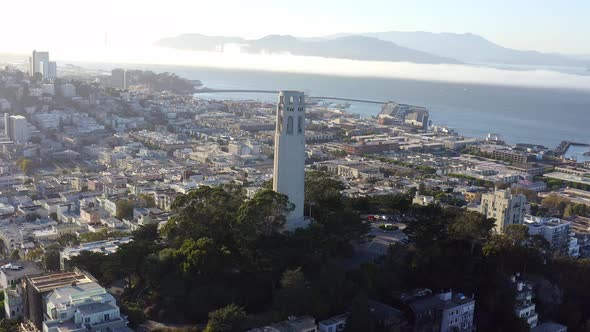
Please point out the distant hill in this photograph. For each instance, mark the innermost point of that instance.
(346, 47)
(472, 48)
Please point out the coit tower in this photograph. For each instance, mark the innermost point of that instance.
(289, 163)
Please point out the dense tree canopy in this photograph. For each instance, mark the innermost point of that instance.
(225, 259)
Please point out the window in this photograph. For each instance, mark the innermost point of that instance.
(300, 124)
(107, 317)
(87, 320)
(290, 125)
(63, 315)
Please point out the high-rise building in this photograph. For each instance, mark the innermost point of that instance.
(505, 207)
(35, 62)
(48, 69)
(289, 155)
(7, 126)
(20, 129)
(119, 79)
(16, 128)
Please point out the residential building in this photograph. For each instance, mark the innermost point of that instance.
(423, 199)
(35, 62)
(36, 287)
(501, 152)
(505, 207)
(557, 232)
(364, 148)
(12, 272)
(289, 156)
(293, 324)
(82, 307)
(119, 79)
(7, 125)
(445, 312)
(388, 317)
(16, 128)
(549, 327)
(525, 307)
(333, 324)
(51, 70)
(67, 90)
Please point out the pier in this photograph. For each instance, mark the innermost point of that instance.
(565, 145)
(208, 90)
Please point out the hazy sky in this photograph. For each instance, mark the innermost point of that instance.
(545, 25)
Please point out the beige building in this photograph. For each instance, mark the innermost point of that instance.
(505, 207)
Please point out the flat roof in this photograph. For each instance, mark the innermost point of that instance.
(48, 282)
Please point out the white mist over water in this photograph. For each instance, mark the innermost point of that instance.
(121, 55)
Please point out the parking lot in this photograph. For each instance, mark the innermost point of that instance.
(385, 230)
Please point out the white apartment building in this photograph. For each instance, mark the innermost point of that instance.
(525, 308)
(506, 208)
(556, 231)
(82, 307)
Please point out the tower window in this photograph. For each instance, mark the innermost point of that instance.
(290, 125)
(300, 124)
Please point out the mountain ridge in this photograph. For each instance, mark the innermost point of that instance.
(346, 47)
(415, 46)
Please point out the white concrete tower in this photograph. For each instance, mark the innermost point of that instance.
(289, 164)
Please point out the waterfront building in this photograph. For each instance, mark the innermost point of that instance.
(289, 153)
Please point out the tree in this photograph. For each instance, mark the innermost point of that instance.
(204, 212)
(89, 261)
(125, 209)
(294, 295)
(264, 214)
(323, 193)
(150, 201)
(26, 165)
(360, 319)
(35, 139)
(67, 240)
(202, 257)
(51, 258)
(473, 227)
(34, 255)
(15, 255)
(231, 318)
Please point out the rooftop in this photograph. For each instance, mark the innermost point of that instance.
(49, 282)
